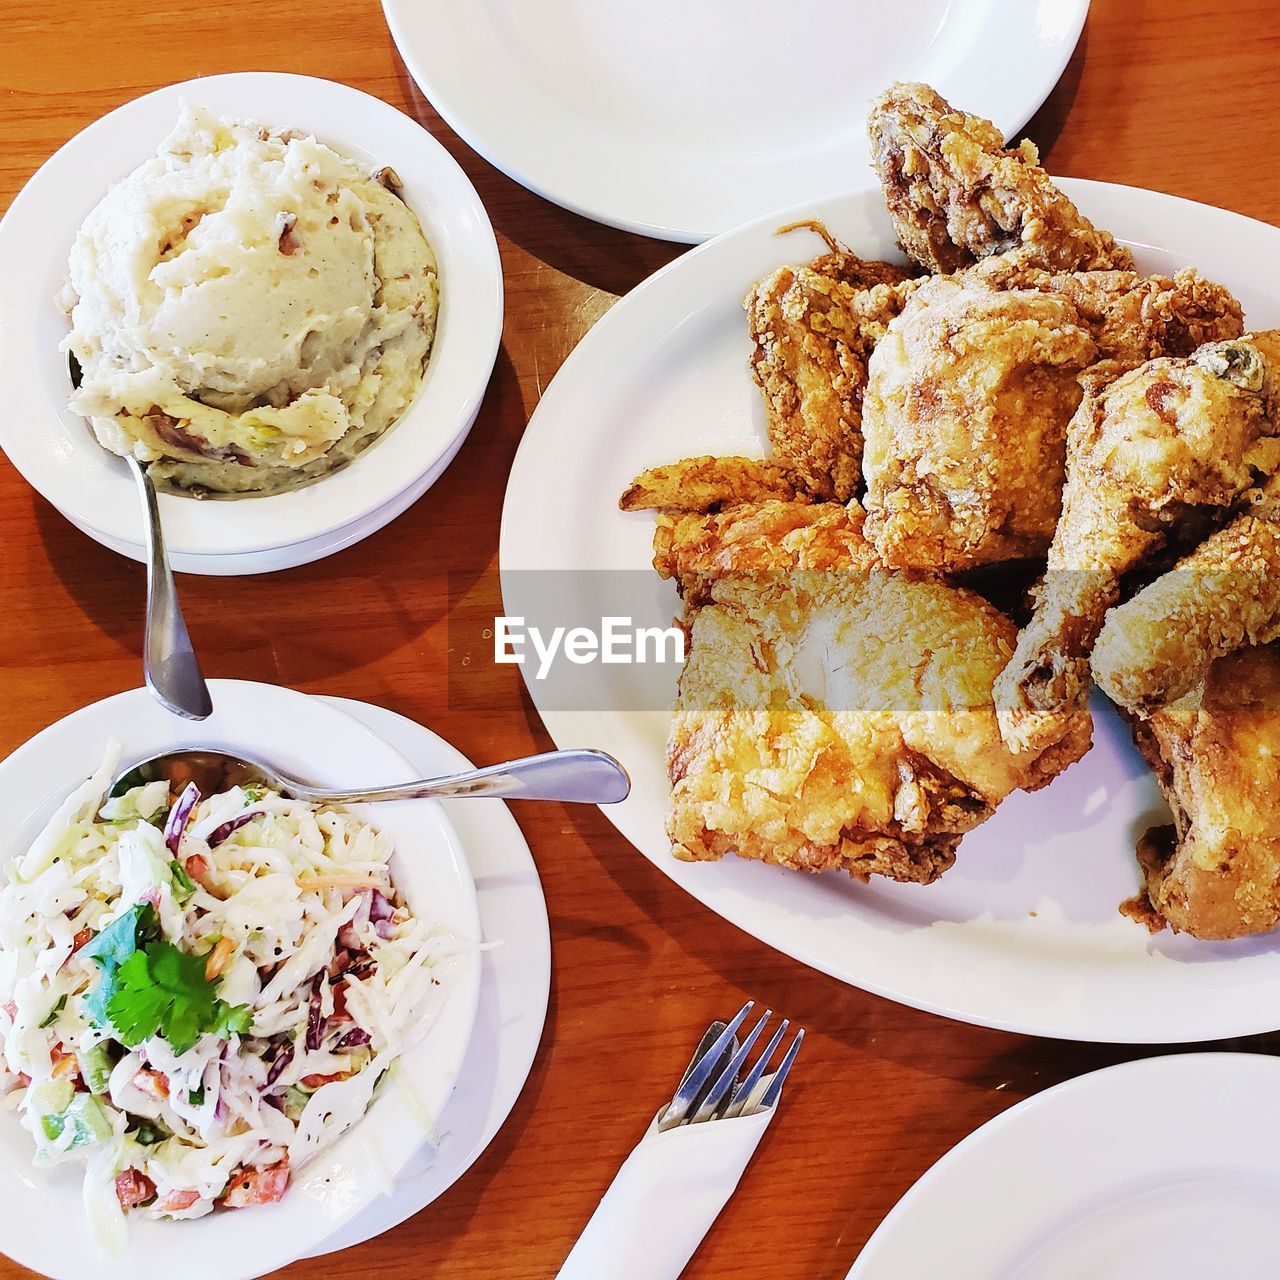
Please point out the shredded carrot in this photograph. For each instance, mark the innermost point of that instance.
(219, 958)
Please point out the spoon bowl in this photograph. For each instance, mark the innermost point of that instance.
(575, 776)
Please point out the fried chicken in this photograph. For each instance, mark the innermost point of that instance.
(1223, 596)
(970, 392)
(1167, 445)
(1216, 872)
(965, 421)
(766, 538)
(956, 195)
(1135, 318)
(843, 720)
(707, 484)
(813, 329)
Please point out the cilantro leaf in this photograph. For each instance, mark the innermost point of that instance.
(161, 991)
(121, 938)
(232, 1020)
(109, 949)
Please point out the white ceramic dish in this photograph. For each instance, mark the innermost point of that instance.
(1023, 932)
(515, 985)
(1164, 1167)
(55, 450)
(44, 1226)
(681, 121)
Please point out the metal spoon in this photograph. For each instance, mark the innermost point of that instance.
(579, 776)
(169, 663)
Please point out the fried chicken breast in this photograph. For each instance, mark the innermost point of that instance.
(965, 422)
(1215, 873)
(843, 720)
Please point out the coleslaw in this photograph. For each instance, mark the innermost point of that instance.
(198, 994)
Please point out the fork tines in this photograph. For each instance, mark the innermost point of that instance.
(711, 1089)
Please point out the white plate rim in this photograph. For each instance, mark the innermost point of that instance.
(496, 849)
(1041, 35)
(354, 1166)
(1211, 1080)
(1180, 225)
(467, 341)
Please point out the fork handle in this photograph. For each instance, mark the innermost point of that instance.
(667, 1194)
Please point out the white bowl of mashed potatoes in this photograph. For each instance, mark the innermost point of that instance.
(282, 295)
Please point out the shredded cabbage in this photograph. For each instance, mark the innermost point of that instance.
(297, 915)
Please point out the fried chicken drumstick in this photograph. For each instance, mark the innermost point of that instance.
(1223, 596)
(1173, 441)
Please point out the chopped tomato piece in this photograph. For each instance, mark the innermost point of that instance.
(134, 1188)
(340, 999)
(156, 1083)
(257, 1186)
(82, 939)
(197, 866)
(176, 1201)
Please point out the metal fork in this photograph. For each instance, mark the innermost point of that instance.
(711, 1090)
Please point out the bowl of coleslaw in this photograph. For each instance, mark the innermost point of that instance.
(227, 1021)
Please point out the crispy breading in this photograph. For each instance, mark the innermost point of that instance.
(1216, 872)
(1223, 596)
(956, 195)
(1167, 442)
(813, 329)
(760, 538)
(1135, 318)
(843, 720)
(707, 484)
(965, 423)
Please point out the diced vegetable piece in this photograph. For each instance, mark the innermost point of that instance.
(177, 1201)
(87, 1118)
(134, 1188)
(95, 1067)
(257, 1186)
(179, 815)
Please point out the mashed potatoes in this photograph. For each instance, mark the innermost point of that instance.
(249, 309)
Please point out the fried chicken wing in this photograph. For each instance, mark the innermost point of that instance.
(843, 720)
(1216, 872)
(1170, 441)
(1135, 318)
(965, 423)
(1223, 596)
(956, 195)
(759, 539)
(813, 329)
(707, 484)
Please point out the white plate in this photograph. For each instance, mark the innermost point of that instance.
(1023, 932)
(1165, 1167)
(43, 1225)
(54, 448)
(515, 985)
(682, 120)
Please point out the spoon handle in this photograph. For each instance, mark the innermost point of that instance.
(578, 776)
(168, 660)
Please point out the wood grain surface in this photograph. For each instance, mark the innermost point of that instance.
(1179, 95)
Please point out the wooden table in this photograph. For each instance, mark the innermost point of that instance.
(1179, 95)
